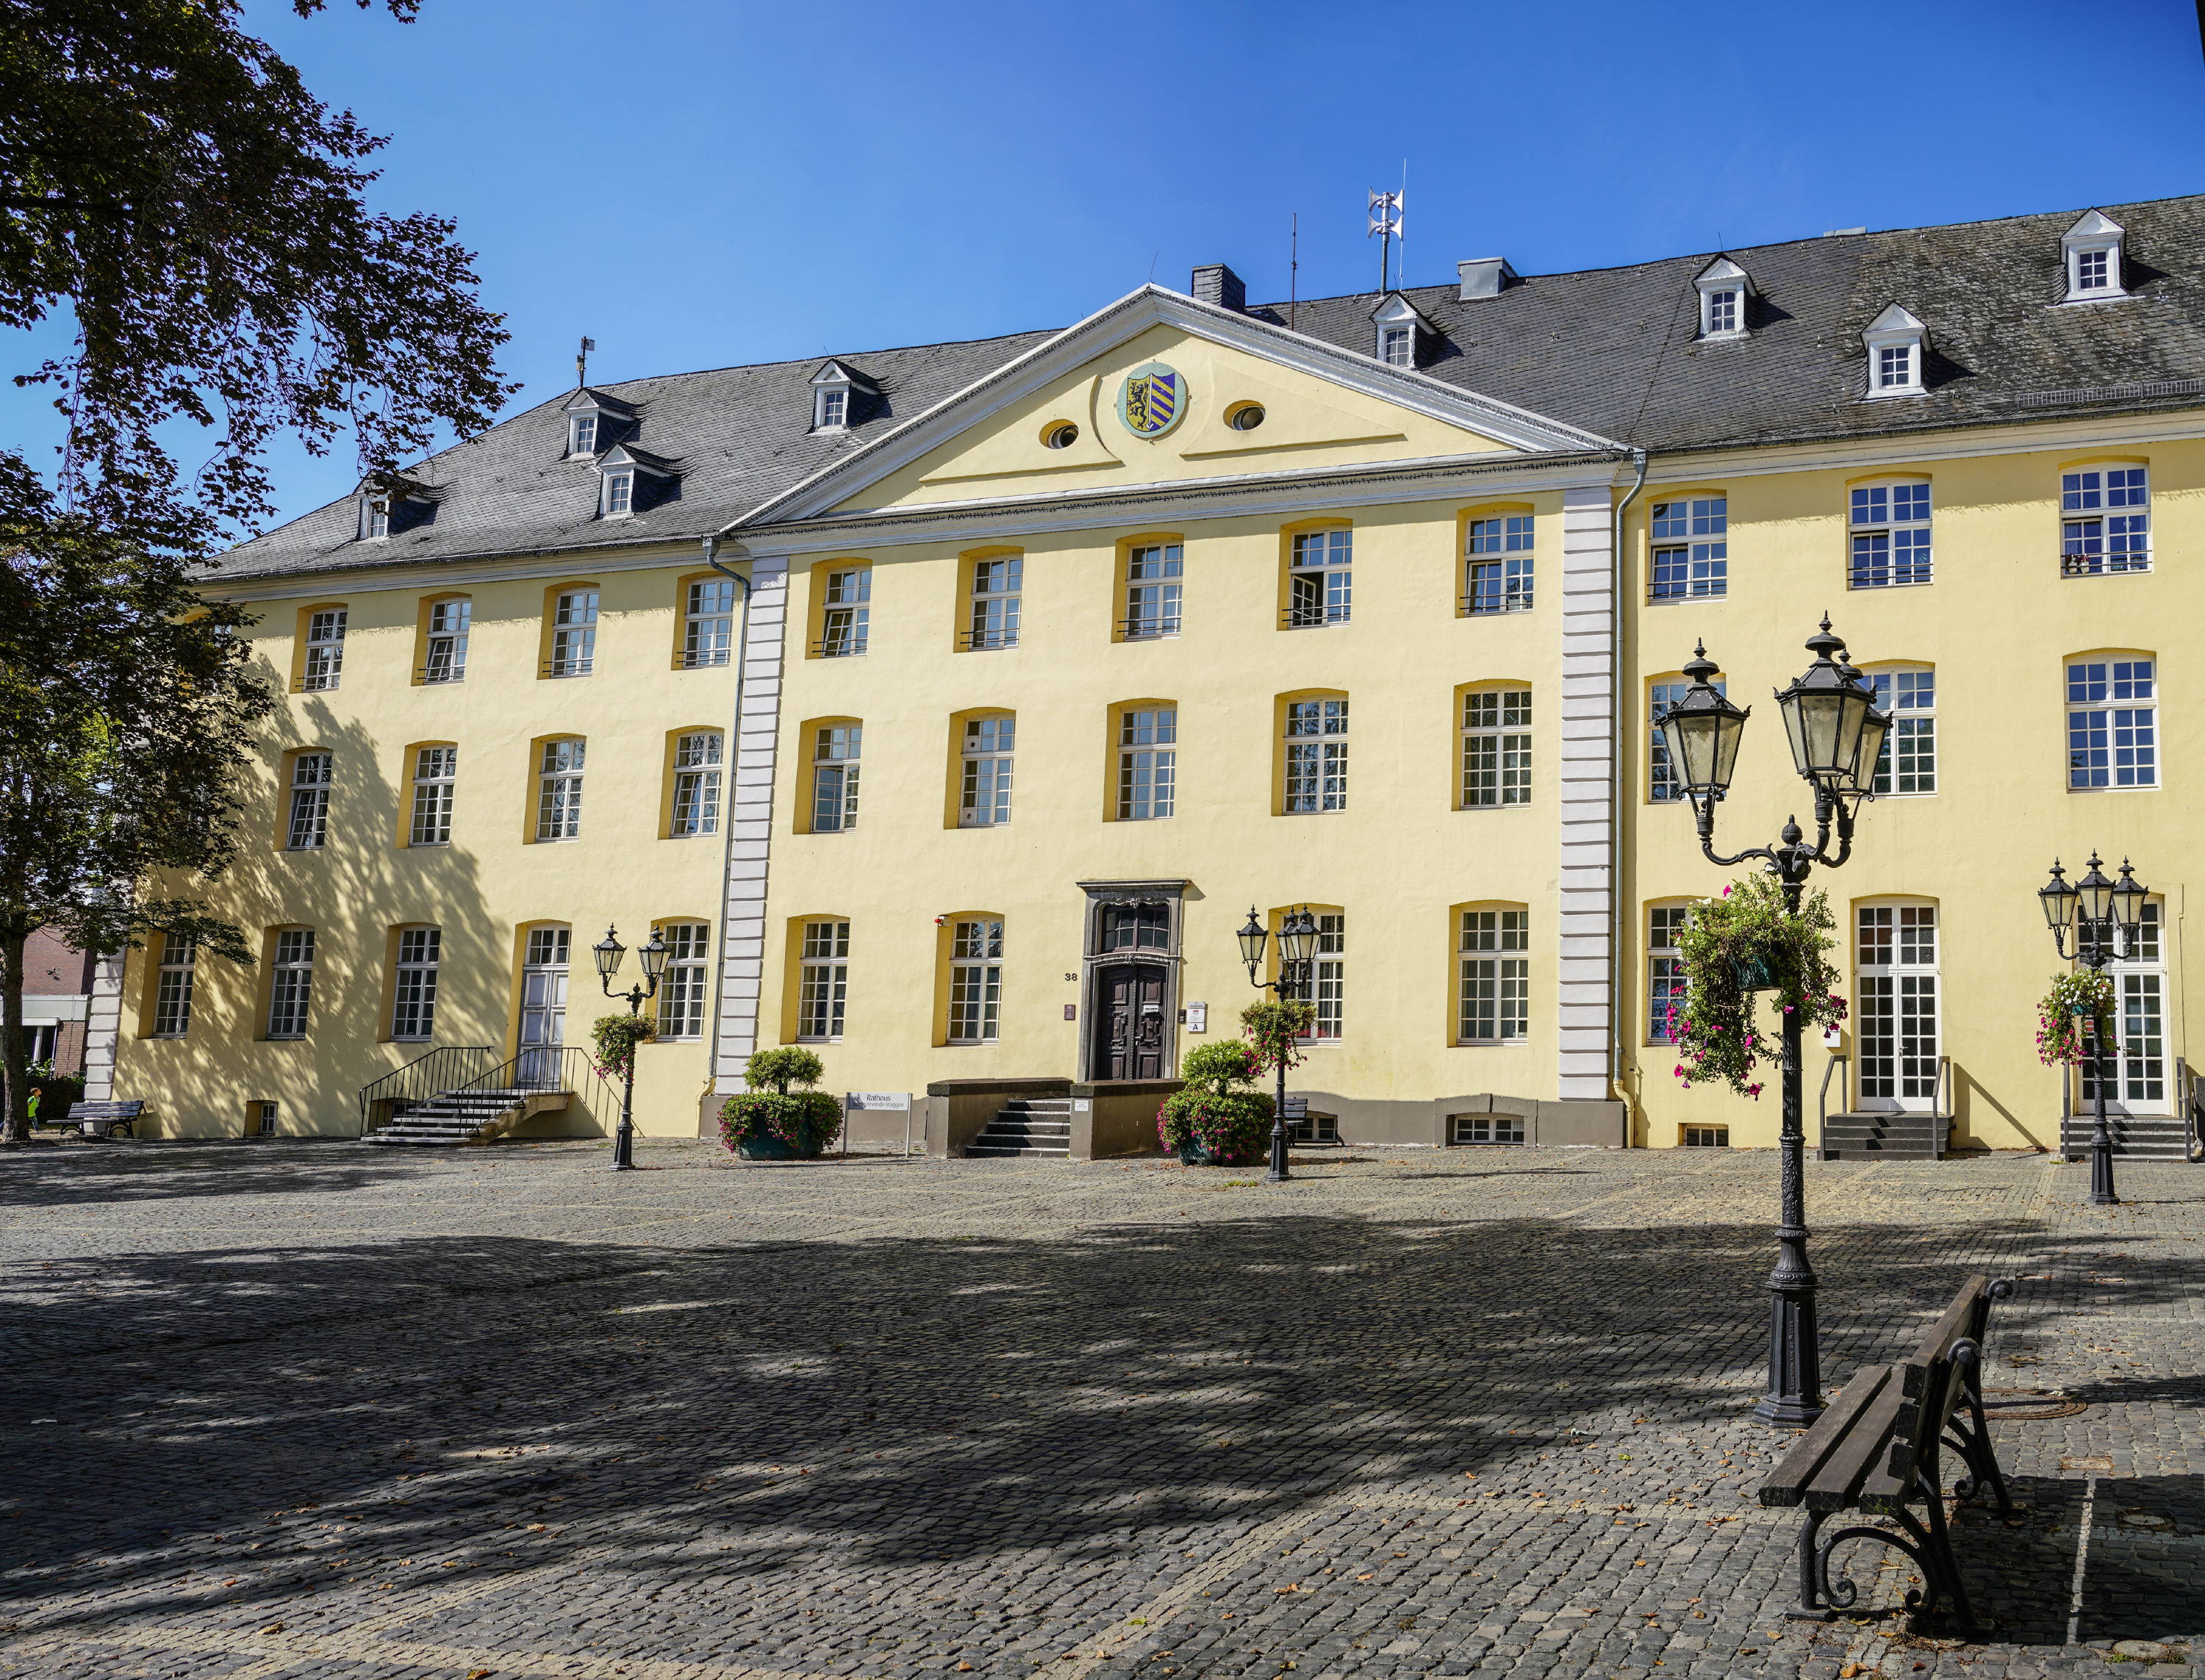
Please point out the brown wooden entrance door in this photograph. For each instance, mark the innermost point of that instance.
(1130, 1044)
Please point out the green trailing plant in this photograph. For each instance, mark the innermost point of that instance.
(2087, 992)
(805, 1119)
(1276, 1028)
(1218, 1110)
(615, 1037)
(1732, 946)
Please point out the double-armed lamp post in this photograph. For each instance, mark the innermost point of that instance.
(610, 952)
(1837, 735)
(2095, 912)
(1297, 958)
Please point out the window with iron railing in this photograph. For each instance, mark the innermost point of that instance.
(1499, 577)
(994, 621)
(2105, 526)
(1152, 590)
(573, 634)
(446, 657)
(1691, 542)
(1889, 527)
(845, 615)
(1321, 579)
(984, 800)
(708, 630)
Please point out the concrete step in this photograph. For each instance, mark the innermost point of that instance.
(980, 1149)
(1884, 1136)
(2135, 1137)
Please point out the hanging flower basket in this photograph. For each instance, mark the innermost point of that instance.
(1745, 942)
(1754, 973)
(2063, 1013)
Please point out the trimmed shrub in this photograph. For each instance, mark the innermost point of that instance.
(806, 1120)
(1218, 1111)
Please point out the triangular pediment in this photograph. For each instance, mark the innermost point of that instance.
(1721, 272)
(1060, 419)
(1896, 319)
(2094, 224)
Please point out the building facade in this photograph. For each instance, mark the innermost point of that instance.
(949, 709)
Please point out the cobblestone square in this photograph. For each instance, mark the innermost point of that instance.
(296, 1409)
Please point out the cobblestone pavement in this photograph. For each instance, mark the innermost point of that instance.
(306, 1410)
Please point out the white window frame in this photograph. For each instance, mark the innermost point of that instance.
(1665, 966)
(684, 985)
(846, 613)
(444, 656)
(1321, 578)
(578, 449)
(830, 408)
(1316, 756)
(435, 784)
(172, 991)
(976, 980)
(708, 624)
(2130, 728)
(1907, 767)
(1691, 532)
(1498, 562)
(375, 519)
(559, 770)
(413, 985)
(1147, 763)
(1496, 748)
(1397, 346)
(2140, 987)
(1662, 786)
(326, 636)
(1155, 573)
(574, 633)
(307, 828)
(1723, 280)
(2088, 518)
(822, 982)
(1894, 330)
(2095, 234)
(1913, 1076)
(291, 983)
(695, 784)
(836, 753)
(619, 499)
(998, 590)
(1325, 990)
(986, 752)
(1489, 979)
(1899, 513)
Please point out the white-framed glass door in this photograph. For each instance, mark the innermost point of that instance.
(2142, 1082)
(1896, 1027)
(543, 1005)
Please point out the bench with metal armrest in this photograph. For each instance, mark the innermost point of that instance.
(106, 1120)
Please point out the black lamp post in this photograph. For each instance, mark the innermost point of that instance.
(1297, 957)
(2094, 911)
(1836, 735)
(610, 950)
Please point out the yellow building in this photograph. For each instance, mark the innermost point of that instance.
(949, 709)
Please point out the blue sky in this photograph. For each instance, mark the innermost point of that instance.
(697, 185)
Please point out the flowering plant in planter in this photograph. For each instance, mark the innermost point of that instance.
(1736, 944)
(1217, 1116)
(800, 1123)
(2086, 992)
(615, 1037)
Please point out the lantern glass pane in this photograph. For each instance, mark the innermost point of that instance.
(1820, 719)
(1853, 714)
(1730, 732)
(2097, 896)
(1874, 728)
(1793, 732)
(2059, 902)
(1692, 746)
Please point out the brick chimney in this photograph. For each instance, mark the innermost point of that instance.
(1215, 283)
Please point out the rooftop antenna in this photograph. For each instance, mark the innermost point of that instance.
(1385, 221)
(582, 362)
(1401, 231)
(1294, 273)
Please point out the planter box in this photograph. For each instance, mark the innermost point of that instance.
(772, 1148)
(1196, 1155)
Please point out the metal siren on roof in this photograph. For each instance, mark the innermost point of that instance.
(1826, 718)
(1702, 731)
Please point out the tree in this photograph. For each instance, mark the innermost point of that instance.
(171, 194)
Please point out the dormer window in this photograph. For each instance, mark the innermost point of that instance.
(836, 388)
(1396, 324)
(1400, 346)
(834, 406)
(2092, 251)
(391, 505)
(583, 438)
(620, 494)
(1724, 289)
(1896, 345)
(379, 517)
(634, 481)
(596, 422)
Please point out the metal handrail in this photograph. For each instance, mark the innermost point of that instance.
(548, 1067)
(1822, 1101)
(2066, 1105)
(440, 1070)
(1940, 1108)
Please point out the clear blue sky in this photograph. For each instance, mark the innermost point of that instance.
(695, 185)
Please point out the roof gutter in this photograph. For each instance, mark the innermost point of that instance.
(1615, 779)
(735, 756)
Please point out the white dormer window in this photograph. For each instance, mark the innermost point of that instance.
(1897, 344)
(2092, 249)
(582, 437)
(834, 406)
(379, 517)
(619, 493)
(1724, 289)
(1400, 346)
(1395, 324)
(832, 392)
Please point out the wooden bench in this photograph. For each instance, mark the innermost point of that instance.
(1877, 1451)
(105, 1119)
(1303, 1127)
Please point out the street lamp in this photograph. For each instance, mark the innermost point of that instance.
(1297, 956)
(610, 952)
(2094, 911)
(1836, 735)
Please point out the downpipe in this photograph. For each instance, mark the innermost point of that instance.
(1615, 781)
(728, 855)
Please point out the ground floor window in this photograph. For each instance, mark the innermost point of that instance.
(824, 982)
(1488, 1129)
(1706, 1137)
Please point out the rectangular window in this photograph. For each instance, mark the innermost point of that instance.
(325, 635)
(310, 802)
(1326, 989)
(995, 586)
(1152, 587)
(2106, 522)
(975, 981)
(379, 517)
(1894, 365)
(848, 613)
(573, 634)
(681, 989)
(1321, 581)
(1147, 763)
(1500, 577)
(696, 784)
(292, 984)
(1135, 927)
(586, 435)
(824, 980)
(835, 778)
(2113, 738)
(1663, 785)
(1691, 549)
(984, 801)
(1909, 761)
(1496, 748)
(1890, 530)
(1895, 1026)
(435, 775)
(1489, 1128)
(414, 1013)
(1664, 970)
(559, 791)
(1722, 312)
(619, 488)
(1495, 1004)
(832, 405)
(1706, 1137)
(1317, 755)
(709, 623)
(172, 999)
(447, 642)
(1400, 346)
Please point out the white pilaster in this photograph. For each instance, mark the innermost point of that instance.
(742, 915)
(102, 1028)
(1587, 814)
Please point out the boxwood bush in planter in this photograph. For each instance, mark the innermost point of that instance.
(1217, 1118)
(770, 1122)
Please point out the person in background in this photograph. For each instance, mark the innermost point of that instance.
(33, 1104)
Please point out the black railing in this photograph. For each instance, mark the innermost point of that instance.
(442, 1069)
(1309, 617)
(550, 1067)
(1493, 600)
(2073, 565)
(845, 646)
(978, 641)
(1150, 628)
(572, 666)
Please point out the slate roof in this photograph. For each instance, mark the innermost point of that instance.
(1611, 351)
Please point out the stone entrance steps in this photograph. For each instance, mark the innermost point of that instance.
(2138, 1137)
(1886, 1136)
(470, 1116)
(1038, 1125)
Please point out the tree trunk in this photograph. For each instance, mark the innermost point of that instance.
(14, 1062)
